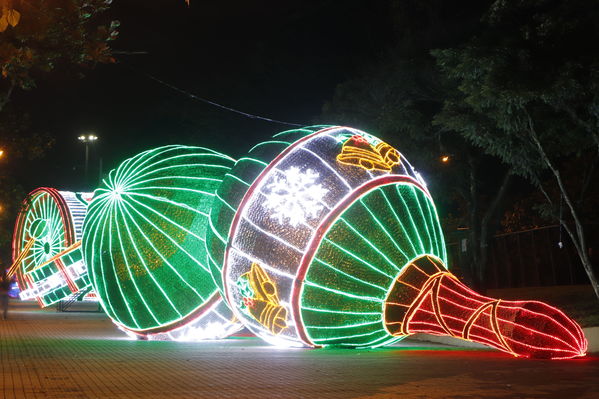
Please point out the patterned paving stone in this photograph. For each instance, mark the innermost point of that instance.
(44, 354)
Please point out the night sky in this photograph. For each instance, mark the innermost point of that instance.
(276, 59)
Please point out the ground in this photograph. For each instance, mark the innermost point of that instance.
(45, 354)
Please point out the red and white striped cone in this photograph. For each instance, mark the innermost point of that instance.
(426, 298)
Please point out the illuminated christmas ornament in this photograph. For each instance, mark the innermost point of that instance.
(46, 255)
(144, 244)
(326, 236)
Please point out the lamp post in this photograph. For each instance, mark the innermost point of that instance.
(87, 140)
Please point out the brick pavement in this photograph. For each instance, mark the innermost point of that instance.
(45, 354)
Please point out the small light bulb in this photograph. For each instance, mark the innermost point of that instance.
(445, 158)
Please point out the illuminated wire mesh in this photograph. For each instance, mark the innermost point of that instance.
(273, 210)
(233, 188)
(144, 239)
(427, 298)
(358, 260)
(51, 222)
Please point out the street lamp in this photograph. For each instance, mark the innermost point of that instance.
(87, 140)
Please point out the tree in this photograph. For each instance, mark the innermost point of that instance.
(398, 98)
(38, 37)
(8, 15)
(528, 94)
(20, 145)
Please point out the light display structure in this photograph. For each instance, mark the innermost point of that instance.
(326, 236)
(144, 244)
(46, 240)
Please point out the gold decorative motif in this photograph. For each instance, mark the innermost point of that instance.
(357, 151)
(261, 300)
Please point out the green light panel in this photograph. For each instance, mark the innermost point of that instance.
(144, 238)
(358, 261)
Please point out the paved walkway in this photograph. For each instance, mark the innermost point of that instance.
(45, 354)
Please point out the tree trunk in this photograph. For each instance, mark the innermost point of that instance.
(581, 249)
(484, 228)
(474, 225)
(5, 97)
(578, 238)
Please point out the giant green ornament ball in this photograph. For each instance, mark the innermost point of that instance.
(143, 243)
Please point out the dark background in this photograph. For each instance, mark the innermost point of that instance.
(301, 62)
(281, 60)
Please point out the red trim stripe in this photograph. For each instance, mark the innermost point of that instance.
(248, 194)
(65, 215)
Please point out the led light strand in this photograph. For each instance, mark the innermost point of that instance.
(482, 316)
(151, 215)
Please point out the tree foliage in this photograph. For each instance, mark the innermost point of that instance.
(8, 15)
(48, 35)
(516, 83)
(527, 94)
(37, 39)
(398, 98)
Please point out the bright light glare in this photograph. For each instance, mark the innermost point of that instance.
(89, 138)
(445, 158)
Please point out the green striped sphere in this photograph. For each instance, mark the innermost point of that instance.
(144, 242)
(310, 230)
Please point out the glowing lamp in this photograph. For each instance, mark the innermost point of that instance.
(326, 236)
(144, 245)
(87, 138)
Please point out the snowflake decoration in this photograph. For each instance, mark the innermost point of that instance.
(295, 197)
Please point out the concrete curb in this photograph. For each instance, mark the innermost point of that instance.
(591, 333)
